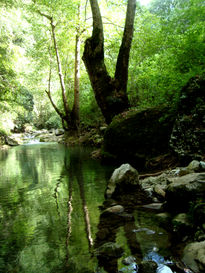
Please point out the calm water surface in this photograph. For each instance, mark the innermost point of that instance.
(49, 213)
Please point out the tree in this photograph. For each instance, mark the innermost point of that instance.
(110, 93)
(69, 117)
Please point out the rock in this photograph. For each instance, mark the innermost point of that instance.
(194, 166)
(202, 165)
(153, 206)
(159, 191)
(188, 135)
(155, 186)
(181, 224)
(109, 250)
(199, 214)
(123, 177)
(182, 190)
(129, 260)
(28, 128)
(10, 141)
(183, 171)
(163, 269)
(47, 138)
(194, 256)
(59, 132)
(138, 135)
(164, 218)
(147, 267)
(115, 209)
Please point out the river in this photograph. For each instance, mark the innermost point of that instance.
(50, 197)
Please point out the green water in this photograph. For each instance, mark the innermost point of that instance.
(49, 212)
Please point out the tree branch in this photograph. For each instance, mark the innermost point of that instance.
(48, 92)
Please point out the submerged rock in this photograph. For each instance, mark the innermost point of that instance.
(109, 250)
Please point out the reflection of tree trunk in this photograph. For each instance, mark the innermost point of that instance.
(69, 212)
(79, 177)
(56, 195)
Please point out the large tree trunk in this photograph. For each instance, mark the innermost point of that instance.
(110, 93)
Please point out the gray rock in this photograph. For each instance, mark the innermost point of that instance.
(181, 223)
(59, 132)
(164, 218)
(125, 175)
(154, 206)
(202, 165)
(194, 166)
(194, 256)
(129, 260)
(10, 141)
(163, 269)
(115, 209)
(155, 185)
(183, 190)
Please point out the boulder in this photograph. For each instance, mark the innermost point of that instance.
(183, 190)
(194, 256)
(139, 135)
(10, 141)
(194, 166)
(188, 135)
(123, 178)
(181, 225)
(155, 186)
(59, 132)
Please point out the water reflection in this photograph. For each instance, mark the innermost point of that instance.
(49, 199)
(50, 220)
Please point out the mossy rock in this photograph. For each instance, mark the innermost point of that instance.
(139, 135)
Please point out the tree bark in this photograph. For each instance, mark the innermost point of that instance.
(62, 83)
(110, 93)
(76, 103)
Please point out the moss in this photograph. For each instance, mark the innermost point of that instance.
(139, 134)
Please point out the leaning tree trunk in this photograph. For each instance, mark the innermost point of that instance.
(110, 93)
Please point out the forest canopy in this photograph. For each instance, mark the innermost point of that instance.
(168, 48)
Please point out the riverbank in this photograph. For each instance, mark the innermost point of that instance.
(176, 198)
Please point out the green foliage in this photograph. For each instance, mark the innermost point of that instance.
(168, 50)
